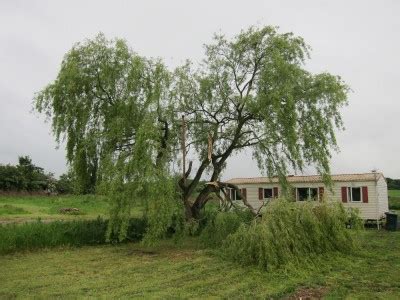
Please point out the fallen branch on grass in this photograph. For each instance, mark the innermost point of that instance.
(222, 186)
(65, 210)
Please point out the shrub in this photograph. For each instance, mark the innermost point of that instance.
(65, 184)
(35, 235)
(290, 232)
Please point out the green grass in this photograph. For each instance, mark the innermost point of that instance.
(183, 270)
(187, 271)
(7, 209)
(37, 235)
(394, 199)
(28, 208)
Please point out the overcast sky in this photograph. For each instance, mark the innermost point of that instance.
(358, 40)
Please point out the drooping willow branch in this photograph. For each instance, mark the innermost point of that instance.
(222, 186)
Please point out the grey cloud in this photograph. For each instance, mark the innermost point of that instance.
(358, 40)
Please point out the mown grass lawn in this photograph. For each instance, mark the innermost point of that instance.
(394, 199)
(394, 193)
(27, 208)
(47, 207)
(187, 271)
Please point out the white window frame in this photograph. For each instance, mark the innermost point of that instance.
(233, 192)
(308, 193)
(350, 194)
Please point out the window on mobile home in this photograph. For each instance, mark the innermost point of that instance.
(307, 193)
(268, 193)
(234, 195)
(302, 194)
(354, 194)
(314, 194)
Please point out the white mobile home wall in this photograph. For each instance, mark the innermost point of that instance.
(377, 195)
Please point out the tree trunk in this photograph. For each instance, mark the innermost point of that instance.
(201, 200)
(188, 211)
(218, 162)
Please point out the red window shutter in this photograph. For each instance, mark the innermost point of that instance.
(276, 191)
(365, 194)
(321, 193)
(344, 194)
(244, 193)
(260, 193)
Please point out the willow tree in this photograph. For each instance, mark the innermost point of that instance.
(120, 114)
(253, 92)
(108, 104)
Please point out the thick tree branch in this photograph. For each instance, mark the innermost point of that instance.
(110, 99)
(189, 170)
(222, 185)
(163, 141)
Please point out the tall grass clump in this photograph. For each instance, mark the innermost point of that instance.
(291, 232)
(36, 235)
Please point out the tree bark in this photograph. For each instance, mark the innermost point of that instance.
(164, 137)
(218, 162)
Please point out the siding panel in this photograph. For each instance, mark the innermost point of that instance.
(377, 195)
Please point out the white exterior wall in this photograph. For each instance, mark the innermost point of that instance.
(377, 195)
(252, 193)
(368, 210)
(382, 195)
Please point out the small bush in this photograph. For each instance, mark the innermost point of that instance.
(289, 233)
(35, 235)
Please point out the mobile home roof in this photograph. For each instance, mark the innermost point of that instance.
(311, 178)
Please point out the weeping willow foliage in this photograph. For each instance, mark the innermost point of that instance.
(106, 104)
(133, 179)
(119, 114)
(219, 225)
(253, 92)
(290, 232)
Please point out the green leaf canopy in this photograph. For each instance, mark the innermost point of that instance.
(120, 116)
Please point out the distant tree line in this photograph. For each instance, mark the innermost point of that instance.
(393, 184)
(26, 176)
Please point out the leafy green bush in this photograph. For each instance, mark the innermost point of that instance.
(393, 184)
(35, 235)
(24, 177)
(65, 184)
(290, 232)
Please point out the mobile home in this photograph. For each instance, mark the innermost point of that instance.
(367, 192)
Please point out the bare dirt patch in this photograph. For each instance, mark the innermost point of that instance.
(142, 252)
(308, 293)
